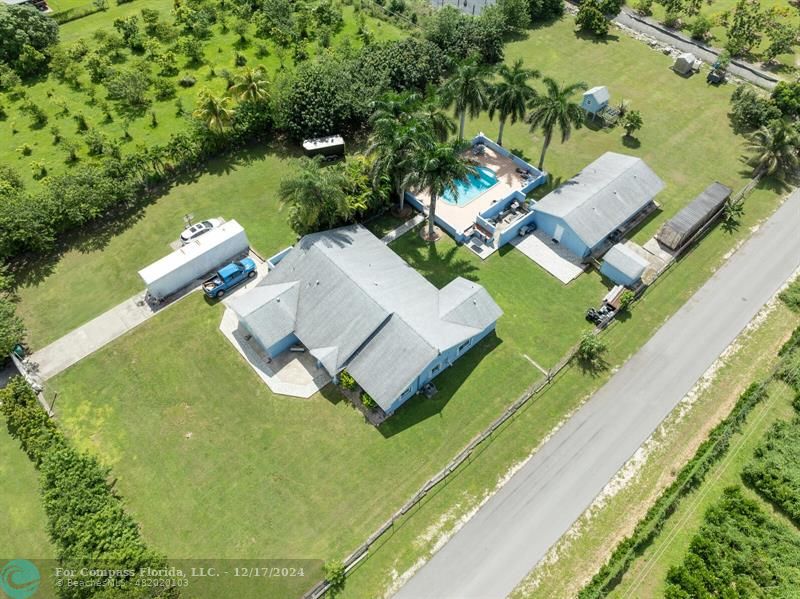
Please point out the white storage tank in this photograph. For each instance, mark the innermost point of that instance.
(194, 260)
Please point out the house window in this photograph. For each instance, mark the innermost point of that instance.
(463, 345)
(436, 369)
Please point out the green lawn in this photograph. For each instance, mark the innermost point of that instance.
(22, 519)
(315, 478)
(713, 9)
(17, 130)
(100, 270)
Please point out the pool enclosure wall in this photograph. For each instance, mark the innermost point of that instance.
(509, 230)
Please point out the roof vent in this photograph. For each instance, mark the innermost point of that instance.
(317, 282)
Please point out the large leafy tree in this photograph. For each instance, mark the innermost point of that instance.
(774, 150)
(22, 26)
(439, 167)
(213, 111)
(555, 109)
(251, 85)
(468, 91)
(510, 96)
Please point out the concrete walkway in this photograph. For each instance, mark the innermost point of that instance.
(516, 527)
(403, 229)
(99, 332)
(652, 29)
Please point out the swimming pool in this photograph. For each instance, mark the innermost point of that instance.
(470, 188)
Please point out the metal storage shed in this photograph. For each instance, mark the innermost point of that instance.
(684, 64)
(332, 145)
(623, 265)
(680, 228)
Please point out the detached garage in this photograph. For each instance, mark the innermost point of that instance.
(599, 204)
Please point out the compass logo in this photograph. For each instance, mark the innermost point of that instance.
(19, 579)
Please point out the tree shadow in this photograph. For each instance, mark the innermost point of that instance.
(593, 368)
(439, 267)
(590, 37)
(521, 154)
(420, 407)
(629, 141)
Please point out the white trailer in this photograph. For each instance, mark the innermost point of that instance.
(194, 260)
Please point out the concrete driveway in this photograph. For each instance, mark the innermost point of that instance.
(513, 531)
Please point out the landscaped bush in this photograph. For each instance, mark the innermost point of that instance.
(739, 551)
(590, 19)
(786, 96)
(775, 469)
(85, 518)
(700, 27)
(346, 380)
(367, 401)
(750, 110)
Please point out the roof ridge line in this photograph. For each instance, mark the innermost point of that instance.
(603, 188)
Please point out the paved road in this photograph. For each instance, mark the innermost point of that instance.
(708, 54)
(511, 533)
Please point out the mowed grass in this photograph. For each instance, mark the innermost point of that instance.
(100, 270)
(22, 519)
(686, 139)
(18, 130)
(210, 462)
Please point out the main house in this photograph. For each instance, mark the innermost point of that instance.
(597, 206)
(355, 305)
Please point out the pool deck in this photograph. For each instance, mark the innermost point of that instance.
(463, 217)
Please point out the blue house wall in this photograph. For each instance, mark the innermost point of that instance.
(547, 223)
(439, 365)
(282, 345)
(619, 277)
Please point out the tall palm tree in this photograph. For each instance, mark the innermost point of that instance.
(315, 196)
(438, 169)
(468, 91)
(393, 107)
(430, 115)
(216, 113)
(555, 109)
(510, 96)
(251, 85)
(774, 150)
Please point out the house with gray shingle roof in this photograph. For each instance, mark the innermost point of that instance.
(598, 203)
(355, 305)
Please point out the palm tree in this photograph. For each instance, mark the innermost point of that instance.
(439, 167)
(214, 112)
(555, 109)
(468, 92)
(251, 85)
(393, 107)
(395, 146)
(511, 95)
(315, 196)
(774, 150)
(430, 115)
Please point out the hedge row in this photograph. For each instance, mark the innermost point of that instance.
(75, 13)
(774, 470)
(688, 479)
(86, 519)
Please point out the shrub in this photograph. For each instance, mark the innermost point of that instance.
(458, 35)
(611, 7)
(591, 350)
(164, 89)
(95, 142)
(38, 169)
(672, 19)
(408, 64)
(544, 10)
(335, 575)
(590, 19)
(187, 81)
(700, 27)
(786, 96)
(626, 299)
(791, 296)
(25, 149)
(750, 110)
(346, 380)
(643, 7)
(632, 121)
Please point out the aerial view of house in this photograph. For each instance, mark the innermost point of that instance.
(410, 299)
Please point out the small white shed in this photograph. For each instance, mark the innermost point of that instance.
(685, 64)
(623, 265)
(596, 99)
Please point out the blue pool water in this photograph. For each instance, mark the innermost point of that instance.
(470, 188)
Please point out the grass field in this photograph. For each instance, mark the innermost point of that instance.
(713, 9)
(100, 270)
(22, 519)
(314, 477)
(219, 51)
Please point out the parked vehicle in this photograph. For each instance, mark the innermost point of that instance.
(228, 277)
(190, 263)
(196, 230)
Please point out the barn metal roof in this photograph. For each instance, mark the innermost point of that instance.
(688, 221)
(362, 307)
(603, 196)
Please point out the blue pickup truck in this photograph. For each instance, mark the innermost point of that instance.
(229, 277)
